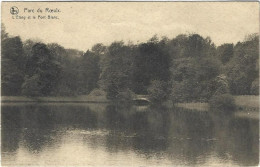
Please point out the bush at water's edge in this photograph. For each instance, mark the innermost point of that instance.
(222, 102)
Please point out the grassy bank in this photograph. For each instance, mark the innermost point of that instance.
(76, 99)
(246, 102)
(194, 106)
(247, 106)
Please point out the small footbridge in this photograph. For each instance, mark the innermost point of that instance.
(141, 99)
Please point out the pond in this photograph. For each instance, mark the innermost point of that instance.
(121, 135)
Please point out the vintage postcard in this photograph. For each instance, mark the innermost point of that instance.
(129, 84)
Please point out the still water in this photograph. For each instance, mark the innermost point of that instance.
(104, 135)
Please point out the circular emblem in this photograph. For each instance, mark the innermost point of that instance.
(14, 10)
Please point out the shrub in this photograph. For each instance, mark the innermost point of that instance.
(112, 92)
(222, 102)
(158, 91)
(31, 86)
(125, 95)
(98, 92)
(63, 90)
(181, 92)
(255, 87)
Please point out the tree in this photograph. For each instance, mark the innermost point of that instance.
(186, 63)
(117, 74)
(220, 85)
(151, 62)
(243, 69)
(27, 47)
(12, 49)
(89, 72)
(12, 74)
(255, 87)
(225, 52)
(197, 46)
(4, 34)
(158, 91)
(43, 65)
(100, 51)
(194, 67)
(32, 86)
(67, 84)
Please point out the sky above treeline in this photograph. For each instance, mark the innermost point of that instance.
(80, 25)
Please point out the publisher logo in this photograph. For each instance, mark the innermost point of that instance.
(14, 10)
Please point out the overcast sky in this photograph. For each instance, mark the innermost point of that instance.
(82, 24)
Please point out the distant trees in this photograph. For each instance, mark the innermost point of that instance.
(89, 72)
(13, 63)
(27, 47)
(188, 67)
(4, 34)
(132, 68)
(158, 91)
(151, 62)
(221, 99)
(42, 70)
(32, 86)
(194, 68)
(243, 68)
(225, 52)
(117, 73)
(68, 74)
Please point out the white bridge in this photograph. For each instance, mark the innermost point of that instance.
(141, 98)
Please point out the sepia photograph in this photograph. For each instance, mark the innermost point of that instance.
(129, 84)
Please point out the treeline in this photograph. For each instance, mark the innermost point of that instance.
(185, 68)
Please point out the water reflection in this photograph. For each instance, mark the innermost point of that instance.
(94, 134)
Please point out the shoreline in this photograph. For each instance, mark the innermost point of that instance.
(247, 106)
(246, 102)
(61, 99)
(56, 101)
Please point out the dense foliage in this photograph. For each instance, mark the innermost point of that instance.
(185, 68)
(223, 102)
